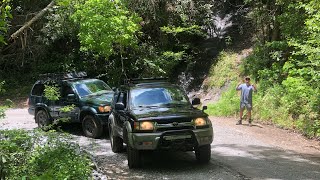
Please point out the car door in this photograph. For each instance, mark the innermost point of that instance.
(121, 115)
(68, 99)
(36, 97)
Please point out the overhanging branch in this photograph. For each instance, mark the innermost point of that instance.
(34, 19)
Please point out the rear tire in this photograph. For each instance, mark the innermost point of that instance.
(203, 153)
(43, 120)
(133, 157)
(116, 142)
(91, 127)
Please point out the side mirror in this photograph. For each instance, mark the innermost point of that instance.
(114, 89)
(196, 101)
(71, 97)
(119, 106)
(204, 108)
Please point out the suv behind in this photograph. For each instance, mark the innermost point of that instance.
(90, 99)
(152, 114)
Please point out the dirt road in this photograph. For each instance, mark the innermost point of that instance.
(238, 152)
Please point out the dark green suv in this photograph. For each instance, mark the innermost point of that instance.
(90, 100)
(152, 114)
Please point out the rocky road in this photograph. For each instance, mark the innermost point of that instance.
(238, 152)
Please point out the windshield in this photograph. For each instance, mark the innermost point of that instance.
(87, 88)
(164, 96)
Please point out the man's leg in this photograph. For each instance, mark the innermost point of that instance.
(241, 114)
(249, 109)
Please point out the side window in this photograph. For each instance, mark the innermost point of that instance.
(37, 90)
(66, 90)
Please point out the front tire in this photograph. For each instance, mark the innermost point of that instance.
(203, 153)
(43, 120)
(116, 142)
(91, 127)
(133, 157)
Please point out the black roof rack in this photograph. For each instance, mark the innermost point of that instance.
(145, 80)
(63, 76)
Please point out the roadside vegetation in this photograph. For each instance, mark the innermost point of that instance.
(285, 63)
(40, 155)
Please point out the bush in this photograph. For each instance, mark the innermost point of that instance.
(228, 104)
(35, 155)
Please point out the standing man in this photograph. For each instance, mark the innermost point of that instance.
(246, 98)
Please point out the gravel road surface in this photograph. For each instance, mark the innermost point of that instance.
(238, 152)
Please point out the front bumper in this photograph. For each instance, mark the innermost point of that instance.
(103, 118)
(185, 140)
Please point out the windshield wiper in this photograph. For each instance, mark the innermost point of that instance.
(147, 106)
(175, 104)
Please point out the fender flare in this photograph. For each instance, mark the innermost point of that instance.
(127, 134)
(86, 110)
(40, 106)
(112, 123)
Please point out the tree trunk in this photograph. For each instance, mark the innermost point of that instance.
(276, 25)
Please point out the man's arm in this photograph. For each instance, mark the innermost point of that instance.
(238, 88)
(254, 87)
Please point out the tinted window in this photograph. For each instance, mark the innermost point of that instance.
(164, 96)
(38, 90)
(66, 90)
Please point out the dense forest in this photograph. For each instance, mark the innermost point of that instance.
(181, 39)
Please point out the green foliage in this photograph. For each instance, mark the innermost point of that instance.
(105, 23)
(68, 108)
(36, 155)
(52, 92)
(6, 104)
(5, 15)
(225, 70)
(228, 104)
(191, 30)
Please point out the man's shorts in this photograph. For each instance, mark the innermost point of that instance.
(245, 105)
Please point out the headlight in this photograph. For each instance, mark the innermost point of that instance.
(200, 122)
(104, 109)
(145, 125)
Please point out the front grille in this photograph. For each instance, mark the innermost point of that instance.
(162, 129)
(171, 120)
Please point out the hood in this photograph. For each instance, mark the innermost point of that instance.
(101, 99)
(167, 114)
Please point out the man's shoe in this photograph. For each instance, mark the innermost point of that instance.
(250, 122)
(239, 122)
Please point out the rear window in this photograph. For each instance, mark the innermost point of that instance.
(37, 90)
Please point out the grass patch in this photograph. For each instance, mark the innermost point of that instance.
(225, 70)
(228, 105)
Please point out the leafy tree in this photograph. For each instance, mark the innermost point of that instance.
(104, 24)
(5, 15)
